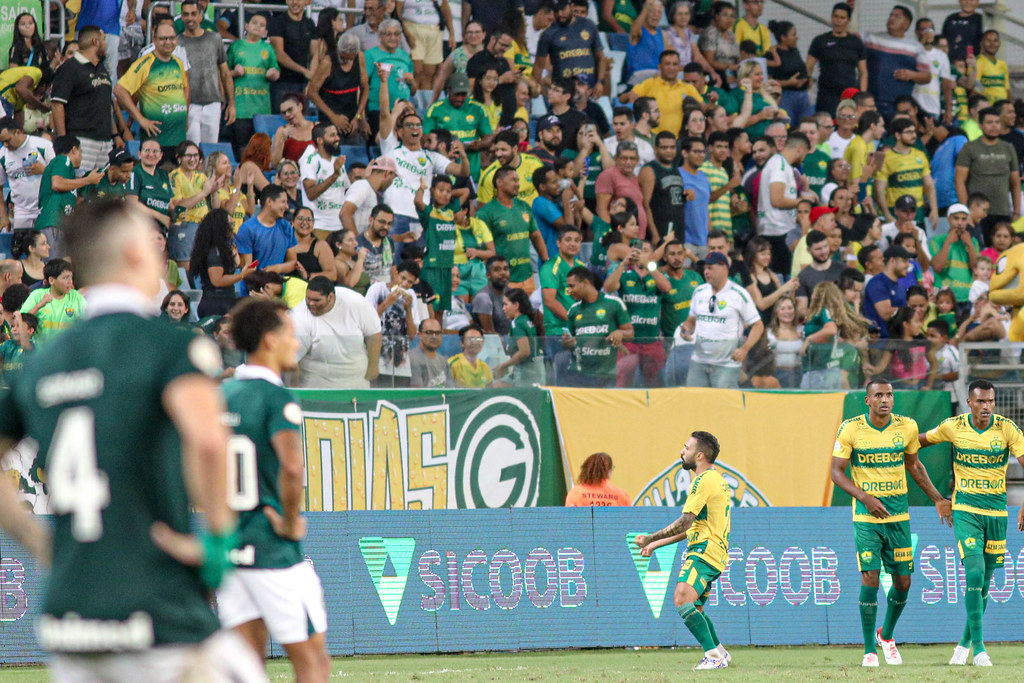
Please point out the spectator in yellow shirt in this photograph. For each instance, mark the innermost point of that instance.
(748, 28)
(992, 71)
(468, 371)
(668, 90)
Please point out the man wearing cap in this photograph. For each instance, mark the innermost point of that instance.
(464, 118)
(571, 46)
(366, 193)
(989, 166)
(822, 268)
(549, 139)
(719, 312)
(956, 252)
(884, 295)
(668, 90)
(583, 100)
(905, 210)
(117, 181)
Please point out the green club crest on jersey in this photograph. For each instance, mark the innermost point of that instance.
(654, 581)
(390, 589)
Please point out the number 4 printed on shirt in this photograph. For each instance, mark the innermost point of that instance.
(77, 486)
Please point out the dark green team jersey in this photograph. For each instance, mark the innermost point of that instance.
(258, 409)
(53, 205)
(512, 228)
(642, 297)
(105, 189)
(154, 190)
(93, 400)
(675, 305)
(439, 233)
(815, 168)
(591, 324)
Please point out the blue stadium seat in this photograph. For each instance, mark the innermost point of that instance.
(355, 154)
(374, 151)
(533, 130)
(618, 41)
(267, 123)
(133, 147)
(5, 244)
(208, 148)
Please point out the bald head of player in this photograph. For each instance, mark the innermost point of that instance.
(10, 273)
(112, 243)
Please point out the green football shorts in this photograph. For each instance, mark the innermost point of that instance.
(700, 575)
(980, 534)
(884, 544)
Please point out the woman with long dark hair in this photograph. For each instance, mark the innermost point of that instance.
(32, 248)
(215, 262)
(525, 365)
(27, 47)
(340, 86)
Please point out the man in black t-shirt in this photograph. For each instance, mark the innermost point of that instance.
(488, 13)
(843, 60)
(290, 34)
(963, 29)
(1008, 130)
(83, 99)
(570, 47)
(493, 57)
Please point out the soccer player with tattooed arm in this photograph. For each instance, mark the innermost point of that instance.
(705, 525)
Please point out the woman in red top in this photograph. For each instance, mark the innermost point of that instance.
(291, 139)
(593, 488)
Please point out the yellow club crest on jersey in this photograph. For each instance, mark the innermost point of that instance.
(526, 217)
(600, 313)
(866, 556)
(264, 54)
(898, 441)
(585, 35)
(470, 118)
(997, 444)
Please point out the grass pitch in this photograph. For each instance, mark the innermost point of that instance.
(921, 663)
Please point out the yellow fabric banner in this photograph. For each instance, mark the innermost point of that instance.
(776, 448)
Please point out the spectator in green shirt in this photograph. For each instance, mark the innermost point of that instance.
(438, 221)
(118, 179)
(511, 221)
(955, 254)
(464, 118)
(58, 305)
(58, 190)
(597, 326)
(253, 64)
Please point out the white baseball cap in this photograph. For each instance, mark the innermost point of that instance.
(957, 208)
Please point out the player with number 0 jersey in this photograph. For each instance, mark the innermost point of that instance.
(274, 590)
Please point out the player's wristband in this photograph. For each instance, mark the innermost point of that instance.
(215, 556)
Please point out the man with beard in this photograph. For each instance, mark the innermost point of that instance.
(989, 166)
(511, 221)
(379, 247)
(549, 139)
(821, 269)
(267, 237)
(571, 119)
(464, 118)
(668, 89)
(662, 188)
(571, 47)
(704, 524)
(506, 154)
(487, 308)
(324, 179)
(401, 138)
(429, 368)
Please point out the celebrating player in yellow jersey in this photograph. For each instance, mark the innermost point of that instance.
(880, 449)
(982, 443)
(706, 518)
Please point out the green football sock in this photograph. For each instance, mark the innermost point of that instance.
(974, 568)
(697, 625)
(868, 614)
(711, 630)
(897, 601)
(965, 639)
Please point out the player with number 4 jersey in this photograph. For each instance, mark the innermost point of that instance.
(274, 589)
(125, 412)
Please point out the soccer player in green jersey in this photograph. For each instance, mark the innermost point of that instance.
(982, 443)
(705, 524)
(127, 418)
(880, 448)
(275, 590)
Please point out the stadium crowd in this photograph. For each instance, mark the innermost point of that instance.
(500, 193)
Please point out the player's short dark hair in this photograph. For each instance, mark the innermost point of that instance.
(320, 130)
(408, 266)
(467, 328)
(843, 7)
(271, 191)
(582, 273)
(880, 379)
(497, 258)
(988, 111)
(814, 237)
(797, 139)
(707, 444)
(905, 11)
(719, 136)
(940, 326)
(441, 178)
(643, 105)
(65, 143)
(8, 123)
(980, 385)
(566, 229)
(94, 232)
(14, 297)
(54, 268)
(87, 33)
(258, 279)
(253, 317)
(866, 120)
(411, 252)
(623, 111)
(509, 137)
(501, 173)
(664, 135)
(976, 198)
(865, 253)
(715, 234)
(321, 284)
(848, 278)
(688, 142)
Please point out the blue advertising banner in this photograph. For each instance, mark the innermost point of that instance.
(462, 580)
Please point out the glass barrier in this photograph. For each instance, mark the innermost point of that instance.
(434, 360)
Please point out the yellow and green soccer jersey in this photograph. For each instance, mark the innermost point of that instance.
(759, 35)
(527, 165)
(9, 79)
(709, 499)
(876, 463)
(467, 376)
(979, 461)
(995, 77)
(160, 88)
(905, 175)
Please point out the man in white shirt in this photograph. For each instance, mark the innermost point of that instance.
(846, 123)
(401, 139)
(622, 125)
(905, 211)
(340, 338)
(23, 158)
(778, 198)
(324, 180)
(366, 193)
(719, 312)
(938, 90)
